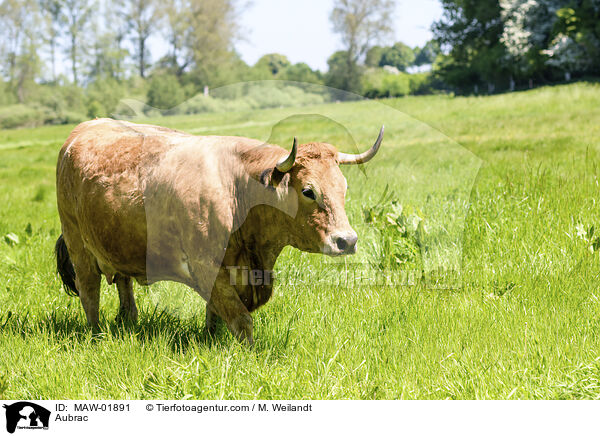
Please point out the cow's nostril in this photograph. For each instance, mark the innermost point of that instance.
(341, 244)
(351, 240)
(346, 243)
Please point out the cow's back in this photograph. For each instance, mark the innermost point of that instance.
(105, 147)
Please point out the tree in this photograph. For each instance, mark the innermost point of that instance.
(76, 15)
(360, 23)
(566, 54)
(19, 20)
(13, 20)
(527, 28)
(339, 76)
(427, 54)
(143, 17)
(116, 15)
(373, 56)
(555, 33)
(301, 72)
(164, 92)
(505, 41)
(399, 55)
(213, 29)
(51, 15)
(201, 35)
(575, 39)
(175, 27)
(107, 57)
(274, 62)
(470, 32)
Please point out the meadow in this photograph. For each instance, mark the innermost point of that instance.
(501, 190)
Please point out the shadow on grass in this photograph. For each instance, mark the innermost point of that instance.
(151, 326)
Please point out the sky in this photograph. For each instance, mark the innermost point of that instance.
(301, 30)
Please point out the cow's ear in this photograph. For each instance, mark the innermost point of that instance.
(265, 177)
(273, 178)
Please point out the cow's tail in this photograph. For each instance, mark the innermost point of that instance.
(65, 267)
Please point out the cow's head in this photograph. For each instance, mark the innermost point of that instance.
(311, 171)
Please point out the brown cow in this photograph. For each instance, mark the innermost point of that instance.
(150, 203)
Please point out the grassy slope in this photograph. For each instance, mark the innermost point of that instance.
(524, 324)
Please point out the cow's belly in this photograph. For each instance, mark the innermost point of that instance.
(113, 228)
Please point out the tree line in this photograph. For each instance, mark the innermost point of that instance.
(64, 60)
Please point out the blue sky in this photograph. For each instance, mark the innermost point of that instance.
(301, 29)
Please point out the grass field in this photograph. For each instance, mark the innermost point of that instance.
(518, 171)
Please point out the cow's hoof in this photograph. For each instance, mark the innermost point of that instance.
(241, 328)
(126, 317)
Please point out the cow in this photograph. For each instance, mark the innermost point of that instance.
(149, 203)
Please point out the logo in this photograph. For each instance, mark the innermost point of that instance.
(26, 415)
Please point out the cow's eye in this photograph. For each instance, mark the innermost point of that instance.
(309, 193)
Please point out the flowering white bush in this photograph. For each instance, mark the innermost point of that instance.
(527, 25)
(567, 54)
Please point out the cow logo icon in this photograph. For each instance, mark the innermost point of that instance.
(26, 415)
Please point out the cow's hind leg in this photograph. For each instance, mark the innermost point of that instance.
(128, 310)
(87, 277)
(88, 284)
(87, 280)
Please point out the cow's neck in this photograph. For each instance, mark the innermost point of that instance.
(253, 250)
(258, 209)
(258, 237)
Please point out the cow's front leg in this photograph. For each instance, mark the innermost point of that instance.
(211, 319)
(226, 303)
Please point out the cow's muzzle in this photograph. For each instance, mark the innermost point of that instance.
(341, 243)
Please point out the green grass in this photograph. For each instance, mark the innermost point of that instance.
(523, 323)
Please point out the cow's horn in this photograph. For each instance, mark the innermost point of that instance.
(344, 158)
(286, 163)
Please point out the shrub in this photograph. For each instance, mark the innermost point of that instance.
(199, 104)
(378, 83)
(70, 117)
(248, 96)
(95, 109)
(301, 72)
(372, 83)
(164, 92)
(58, 104)
(60, 99)
(103, 96)
(423, 83)
(6, 95)
(396, 85)
(20, 115)
(273, 96)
